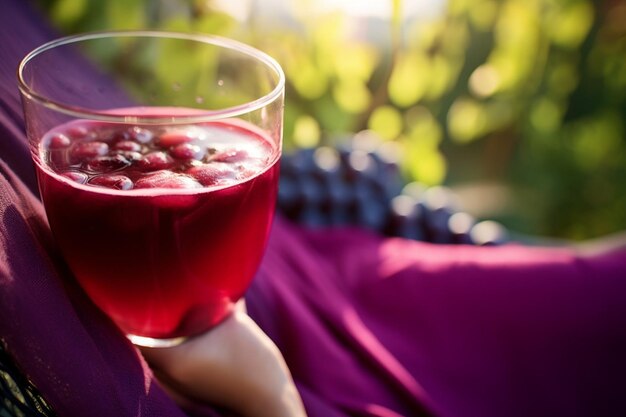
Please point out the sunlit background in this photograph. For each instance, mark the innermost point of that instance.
(518, 105)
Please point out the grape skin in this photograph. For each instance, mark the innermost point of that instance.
(349, 186)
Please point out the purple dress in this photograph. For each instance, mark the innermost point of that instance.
(369, 326)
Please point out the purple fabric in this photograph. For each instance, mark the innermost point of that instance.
(386, 327)
(369, 326)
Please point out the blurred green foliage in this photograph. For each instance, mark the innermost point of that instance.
(529, 93)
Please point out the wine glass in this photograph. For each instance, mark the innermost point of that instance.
(157, 158)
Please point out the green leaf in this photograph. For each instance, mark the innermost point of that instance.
(562, 78)
(483, 14)
(352, 95)
(386, 121)
(66, 12)
(177, 24)
(410, 79)
(597, 139)
(568, 26)
(423, 127)
(309, 81)
(423, 162)
(330, 116)
(216, 23)
(441, 77)
(126, 14)
(306, 132)
(356, 61)
(467, 120)
(545, 115)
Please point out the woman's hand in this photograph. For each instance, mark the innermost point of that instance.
(234, 365)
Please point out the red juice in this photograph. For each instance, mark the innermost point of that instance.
(163, 226)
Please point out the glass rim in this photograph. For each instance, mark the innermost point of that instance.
(202, 115)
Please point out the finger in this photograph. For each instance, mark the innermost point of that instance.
(241, 306)
(235, 365)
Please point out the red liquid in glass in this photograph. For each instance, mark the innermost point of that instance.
(164, 227)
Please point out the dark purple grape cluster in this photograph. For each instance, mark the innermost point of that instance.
(359, 184)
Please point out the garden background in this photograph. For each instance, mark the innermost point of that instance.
(519, 106)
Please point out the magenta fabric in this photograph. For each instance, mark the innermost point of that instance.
(369, 326)
(375, 326)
